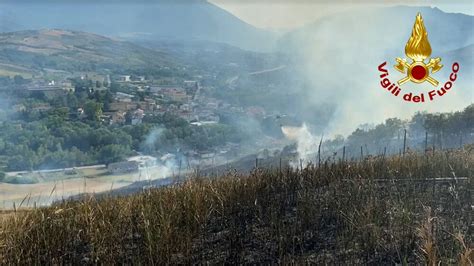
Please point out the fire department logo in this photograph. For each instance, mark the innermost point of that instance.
(418, 68)
(418, 49)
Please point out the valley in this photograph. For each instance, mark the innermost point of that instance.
(181, 132)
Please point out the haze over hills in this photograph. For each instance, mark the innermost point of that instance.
(465, 56)
(338, 56)
(326, 64)
(335, 59)
(34, 50)
(123, 97)
(385, 29)
(162, 19)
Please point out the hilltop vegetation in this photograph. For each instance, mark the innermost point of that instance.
(424, 130)
(373, 211)
(63, 50)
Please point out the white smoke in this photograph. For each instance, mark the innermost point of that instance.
(339, 58)
(157, 168)
(153, 137)
(306, 143)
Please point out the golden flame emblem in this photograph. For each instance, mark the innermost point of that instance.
(418, 49)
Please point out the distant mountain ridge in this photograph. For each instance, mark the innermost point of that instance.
(350, 45)
(159, 19)
(338, 56)
(388, 29)
(33, 50)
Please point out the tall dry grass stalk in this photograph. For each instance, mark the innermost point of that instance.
(360, 212)
(466, 256)
(427, 238)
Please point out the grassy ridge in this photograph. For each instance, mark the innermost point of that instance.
(34, 50)
(338, 213)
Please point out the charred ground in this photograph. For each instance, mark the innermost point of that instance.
(373, 211)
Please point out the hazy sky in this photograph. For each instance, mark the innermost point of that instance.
(281, 15)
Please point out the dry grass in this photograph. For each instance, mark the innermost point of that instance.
(466, 256)
(426, 235)
(339, 213)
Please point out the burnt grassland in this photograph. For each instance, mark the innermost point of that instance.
(373, 211)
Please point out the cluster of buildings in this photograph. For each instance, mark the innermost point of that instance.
(186, 99)
(50, 88)
(182, 100)
(132, 164)
(138, 97)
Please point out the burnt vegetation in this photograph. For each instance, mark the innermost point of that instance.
(409, 209)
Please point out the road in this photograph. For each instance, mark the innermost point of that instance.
(268, 70)
(94, 179)
(56, 170)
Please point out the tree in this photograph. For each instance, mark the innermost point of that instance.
(114, 87)
(108, 99)
(71, 101)
(19, 80)
(416, 124)
(93, 110)
(62, 113)
(113, 153)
